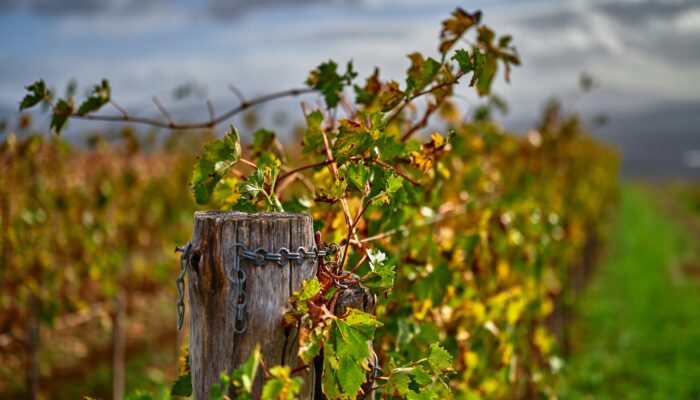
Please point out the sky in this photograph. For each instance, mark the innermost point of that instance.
(644, 55)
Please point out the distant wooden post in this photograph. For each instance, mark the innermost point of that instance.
(214, 346)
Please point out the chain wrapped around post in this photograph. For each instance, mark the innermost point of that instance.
(180, 282)
(237, 276)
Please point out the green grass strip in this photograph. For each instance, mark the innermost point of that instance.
(638, 330)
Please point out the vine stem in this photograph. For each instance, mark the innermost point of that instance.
(334, 171)
(414, 96)
(171, 124)
(304, 167)
(404, 228)
(395, 170)
(326, 162)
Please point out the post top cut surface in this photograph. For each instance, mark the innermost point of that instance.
(243, 216)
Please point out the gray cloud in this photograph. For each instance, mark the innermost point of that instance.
(214, 8)
(82, 7)
(639, 14)
(87, 8)
(236, 8)
(7, 5)
(623, 32)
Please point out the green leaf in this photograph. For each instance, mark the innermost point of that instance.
(367, 94)
(358, 174)
(429, 70)
(390, 147)
(390, 96)
(137, 395)
(483, 85)
(243, 377)
(381, 276)
(254, 185)
(381, 279)
(421, 376)
(218, 390)
(310, 348)
(61, 113)
(464, 60)
(309, 290)
(421, 73)
(351, 375)
(37, 94)
(479, 62)
(353, 141)
(390, 185)
(439, 358)
(422, 395)
(100, 96)
(182, 386)
(332, 193)
(325, 79)
(298, 204)
(397, 385)
(313, 137)
(218, 157)
(263, 140)
(258, 190)
(346, 353)
(281, 386)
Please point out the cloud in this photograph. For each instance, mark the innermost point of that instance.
(60, 8)
(640, 51)
(123, 23)
(641, 13)
(236, 8)
(64, 7)
(632, 47)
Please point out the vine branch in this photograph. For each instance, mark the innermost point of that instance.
(173, 125)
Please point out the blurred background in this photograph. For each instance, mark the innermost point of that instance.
(644, 56)
(639, 61)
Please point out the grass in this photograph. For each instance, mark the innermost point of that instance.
(638, 333)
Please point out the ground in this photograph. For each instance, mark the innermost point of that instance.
(637, 334)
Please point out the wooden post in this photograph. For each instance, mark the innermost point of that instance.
(214, 346)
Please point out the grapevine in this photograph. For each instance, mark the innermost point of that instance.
(467, 236)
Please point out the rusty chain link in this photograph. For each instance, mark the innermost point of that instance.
(237, 276)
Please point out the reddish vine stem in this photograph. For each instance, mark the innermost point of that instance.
(405, 104)
(264, 368)
(351, 231)
(171, 124)
(404, 228)
(248, 162)
(298, 369)
(395, 170)
(302, 168)
(364, 257)
(294, 177)
(334, 170)
(432, 107)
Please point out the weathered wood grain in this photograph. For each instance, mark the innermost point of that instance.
(214, 346)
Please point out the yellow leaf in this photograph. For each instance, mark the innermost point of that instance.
(503, 269)
(471, 359)
(422, 309)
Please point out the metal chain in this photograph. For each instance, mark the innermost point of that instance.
(180, 282)
(237, 276)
